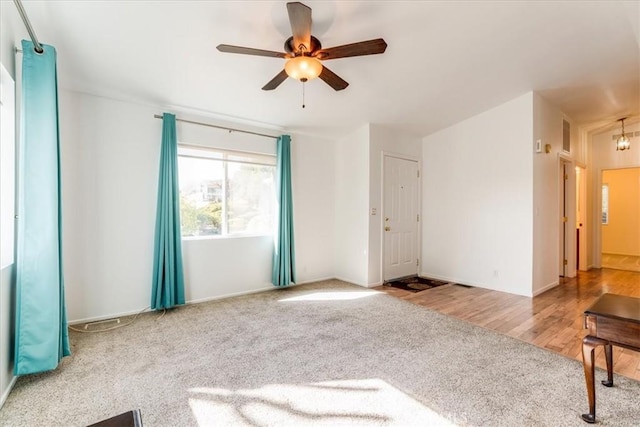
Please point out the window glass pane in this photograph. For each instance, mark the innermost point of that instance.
(7, 168)
(250, 198)
(225, 192)
(201, 185)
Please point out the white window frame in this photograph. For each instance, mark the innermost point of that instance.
(227, 156)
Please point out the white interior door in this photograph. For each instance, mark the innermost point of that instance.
(400, 210)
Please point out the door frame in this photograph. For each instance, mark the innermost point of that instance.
(597, 241)
(567, 204)
(411, 158)
(582, 207)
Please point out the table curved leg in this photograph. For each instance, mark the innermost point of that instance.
(589, 344)
(608, 351)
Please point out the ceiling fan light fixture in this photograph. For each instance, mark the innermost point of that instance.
(303, 68)
(623, 142)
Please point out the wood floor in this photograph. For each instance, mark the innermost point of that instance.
(552, 320)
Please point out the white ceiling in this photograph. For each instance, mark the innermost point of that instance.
(445, 61)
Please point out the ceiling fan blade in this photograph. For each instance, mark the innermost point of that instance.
(300, 19)
(276, 81)
(227, 48)
(369, 47)
(332, 79)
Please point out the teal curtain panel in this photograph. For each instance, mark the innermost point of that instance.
(168, 278)
(41, 335)
(284, 262)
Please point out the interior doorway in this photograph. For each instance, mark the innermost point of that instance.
(581, 219)
(401, 212)
(563, 177)
(620, 219)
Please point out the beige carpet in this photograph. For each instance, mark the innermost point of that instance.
(322, 354)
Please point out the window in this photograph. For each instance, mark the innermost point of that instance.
(225, 192)
(605, 204)
(7, 167)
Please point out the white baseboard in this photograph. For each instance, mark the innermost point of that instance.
(369, 285)
(619, 254)
(353, 282)
(546, 288)
(193, 301)
(447, 279)
(104, 317)
(5, 394)
(233, 294)
(316, 280)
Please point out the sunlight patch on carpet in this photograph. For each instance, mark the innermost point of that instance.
(331, 296)
(346, 402)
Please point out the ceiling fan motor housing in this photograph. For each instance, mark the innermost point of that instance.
(296, 51)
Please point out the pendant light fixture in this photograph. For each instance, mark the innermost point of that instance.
(303, 68)
(623, 142)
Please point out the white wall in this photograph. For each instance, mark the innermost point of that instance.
(110, 157)
(314, 187)
(383, 139)
(352, 207)
(11, 32)
(547, 121)
(109, 162)
(604, 156)
(477, 200)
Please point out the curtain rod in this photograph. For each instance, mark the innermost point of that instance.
(158, 116)
(23, 14)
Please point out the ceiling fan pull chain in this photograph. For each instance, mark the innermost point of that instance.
(303, 83)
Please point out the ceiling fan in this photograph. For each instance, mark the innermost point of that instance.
(304, 52)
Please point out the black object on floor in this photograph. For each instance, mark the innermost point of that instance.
(416, 284)
(128, 419)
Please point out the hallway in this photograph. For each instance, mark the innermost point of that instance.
(552, 320)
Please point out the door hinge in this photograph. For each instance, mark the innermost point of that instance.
(565, 219)
(417, 261)
(565, 262)
(418, 217)
(566, 176)
(418, 174)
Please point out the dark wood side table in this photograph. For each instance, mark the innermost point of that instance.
(128, 419)
(611, 320)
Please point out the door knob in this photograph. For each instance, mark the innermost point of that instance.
(387, 229)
